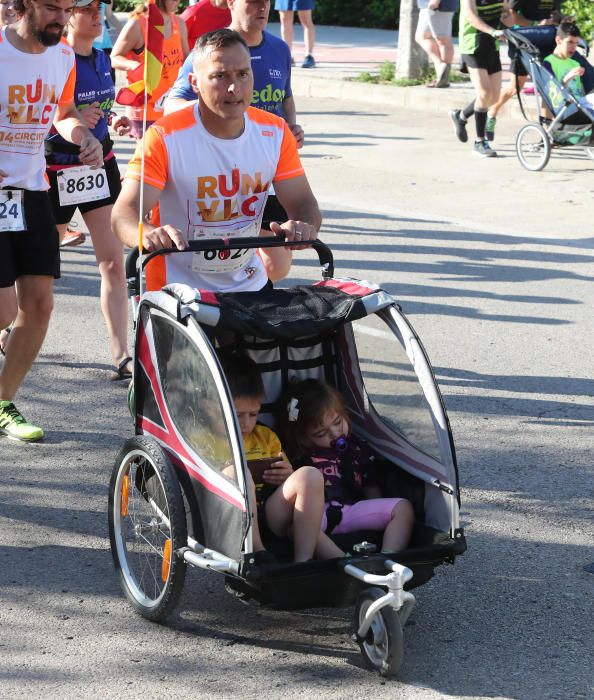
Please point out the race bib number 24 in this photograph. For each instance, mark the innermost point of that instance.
(11, 210)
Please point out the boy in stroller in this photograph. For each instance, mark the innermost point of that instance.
(569, 72)
(289, 503)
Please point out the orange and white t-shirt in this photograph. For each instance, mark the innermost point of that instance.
(213, 188)
(31, 87)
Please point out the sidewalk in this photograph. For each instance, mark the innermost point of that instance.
(346, 52)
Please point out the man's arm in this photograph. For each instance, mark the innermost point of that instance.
(125, 218)
(298, 201)
(70, 126)
(290, 116)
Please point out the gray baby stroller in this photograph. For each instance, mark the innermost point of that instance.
(172, 502)
(573, 118)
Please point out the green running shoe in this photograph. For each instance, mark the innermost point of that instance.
(14, 424)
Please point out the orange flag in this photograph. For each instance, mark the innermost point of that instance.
(146, 77)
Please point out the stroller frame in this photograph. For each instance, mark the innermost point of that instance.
(168, 502)
(535, 140)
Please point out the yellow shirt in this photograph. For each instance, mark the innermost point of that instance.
(262, 443)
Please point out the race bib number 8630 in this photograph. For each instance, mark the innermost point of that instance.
(82, 184)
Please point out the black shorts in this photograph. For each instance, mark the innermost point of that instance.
(486, 55)
(34, 251)
(63, 215)
(273, 211)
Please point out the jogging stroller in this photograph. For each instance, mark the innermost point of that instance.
(171, 501)
(573, 119)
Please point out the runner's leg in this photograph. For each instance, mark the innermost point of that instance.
(35, 303)
(109, 253)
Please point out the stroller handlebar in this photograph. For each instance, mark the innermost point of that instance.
(324, 253)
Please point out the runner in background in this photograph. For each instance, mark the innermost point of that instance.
(434, 36)
(94, 192)
(205, 16)
(8, 14)
(522, 13)
(37, 77)
(128, 54)
(304, 8)
(271, 68)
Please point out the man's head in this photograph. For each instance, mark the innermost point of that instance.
(8, 13)
(567, 39)
(45, 19)
(249, 17)
(222, 75)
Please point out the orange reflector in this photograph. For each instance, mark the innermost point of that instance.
(166, 565)
(125, 495)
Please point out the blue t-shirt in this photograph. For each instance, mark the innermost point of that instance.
(93, 84)
(271, 65)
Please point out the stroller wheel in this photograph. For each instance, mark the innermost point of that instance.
(147, 526)
(533, 147)
(590, 152)
(383, 646)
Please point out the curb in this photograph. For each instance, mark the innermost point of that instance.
(414, 98)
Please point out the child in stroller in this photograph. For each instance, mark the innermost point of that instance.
(569, 72)
(289, 503)
(317, 425)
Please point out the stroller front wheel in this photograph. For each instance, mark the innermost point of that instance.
(590, 152)
(383, 646)
(147, 526)
(533, 147)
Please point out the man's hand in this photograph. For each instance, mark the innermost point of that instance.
(3, 174)
(91, 152)
(91, 115)
(163, 237)
(122, 126)
(433, 4)
(298, 133)
(298, 231)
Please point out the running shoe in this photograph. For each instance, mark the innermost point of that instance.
(15, 425)
(482, 148)
(308, 62)
(490, 128)
(459, 125)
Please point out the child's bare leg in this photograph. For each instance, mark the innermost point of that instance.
(326, 549)
(257, 545)
(397, 534)
(298, 505)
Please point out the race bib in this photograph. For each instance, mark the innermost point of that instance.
(213, 261)
(12, 217)
(159, 105)
(82, 184)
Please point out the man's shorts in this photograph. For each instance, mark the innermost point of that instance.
(288, 5)
(63, 215)
(435, 23)
(486, 55)
(34, 251)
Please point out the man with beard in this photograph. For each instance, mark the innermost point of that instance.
(37, 77)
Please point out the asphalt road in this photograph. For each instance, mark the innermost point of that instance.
(493, 265)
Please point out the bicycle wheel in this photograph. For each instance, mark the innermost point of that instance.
(383, 646)
(147, 526)
(533, 147)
